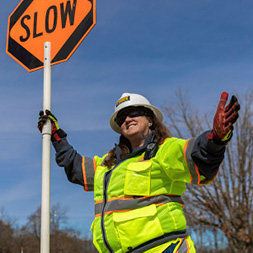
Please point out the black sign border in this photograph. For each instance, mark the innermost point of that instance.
(31, 62)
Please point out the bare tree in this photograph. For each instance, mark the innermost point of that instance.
(7, 242)
(33, 224)
(29, 237)
(227, 203)
(62, 240)
(57, 217)
(7, 232)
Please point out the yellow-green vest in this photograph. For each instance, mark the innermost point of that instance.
(139, 201)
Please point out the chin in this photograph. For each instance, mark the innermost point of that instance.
(130, 133)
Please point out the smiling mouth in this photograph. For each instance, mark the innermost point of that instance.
(130, 126)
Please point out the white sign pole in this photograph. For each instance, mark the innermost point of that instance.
(46, 146)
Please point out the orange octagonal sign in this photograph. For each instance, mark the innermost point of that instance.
(64, 23)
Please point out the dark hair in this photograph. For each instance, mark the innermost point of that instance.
(161, 133)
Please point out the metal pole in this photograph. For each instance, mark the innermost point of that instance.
(46, 146)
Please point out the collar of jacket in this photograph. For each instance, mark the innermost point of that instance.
(138, 150)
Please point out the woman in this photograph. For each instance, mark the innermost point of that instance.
(138, 184)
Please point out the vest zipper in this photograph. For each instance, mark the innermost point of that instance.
(106, 181)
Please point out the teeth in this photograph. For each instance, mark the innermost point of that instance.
(131, 126)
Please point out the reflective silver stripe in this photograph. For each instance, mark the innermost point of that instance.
(190, 162)
(183, 248)
(126, 204)
(88, 174)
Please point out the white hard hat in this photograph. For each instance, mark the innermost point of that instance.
(131, 99)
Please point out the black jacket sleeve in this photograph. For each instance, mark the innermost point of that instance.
(68, 158)
(207, 155)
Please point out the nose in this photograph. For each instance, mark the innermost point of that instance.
(128, 119)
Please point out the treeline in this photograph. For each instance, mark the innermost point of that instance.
(27, 238)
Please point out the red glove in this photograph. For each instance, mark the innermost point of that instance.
(224, 119)
(57, 132)
(43, 118)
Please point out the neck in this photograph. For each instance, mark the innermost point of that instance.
(136, 144)
(138, 141)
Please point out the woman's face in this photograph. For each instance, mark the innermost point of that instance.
(136, 129)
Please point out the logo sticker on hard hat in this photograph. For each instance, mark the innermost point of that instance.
(122, 100)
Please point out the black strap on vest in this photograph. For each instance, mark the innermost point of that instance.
(151, 150)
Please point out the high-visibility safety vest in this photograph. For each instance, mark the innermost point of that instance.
(138, 202)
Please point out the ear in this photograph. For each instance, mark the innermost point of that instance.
(150, 122)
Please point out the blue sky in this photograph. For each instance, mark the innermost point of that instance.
(150, 47)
